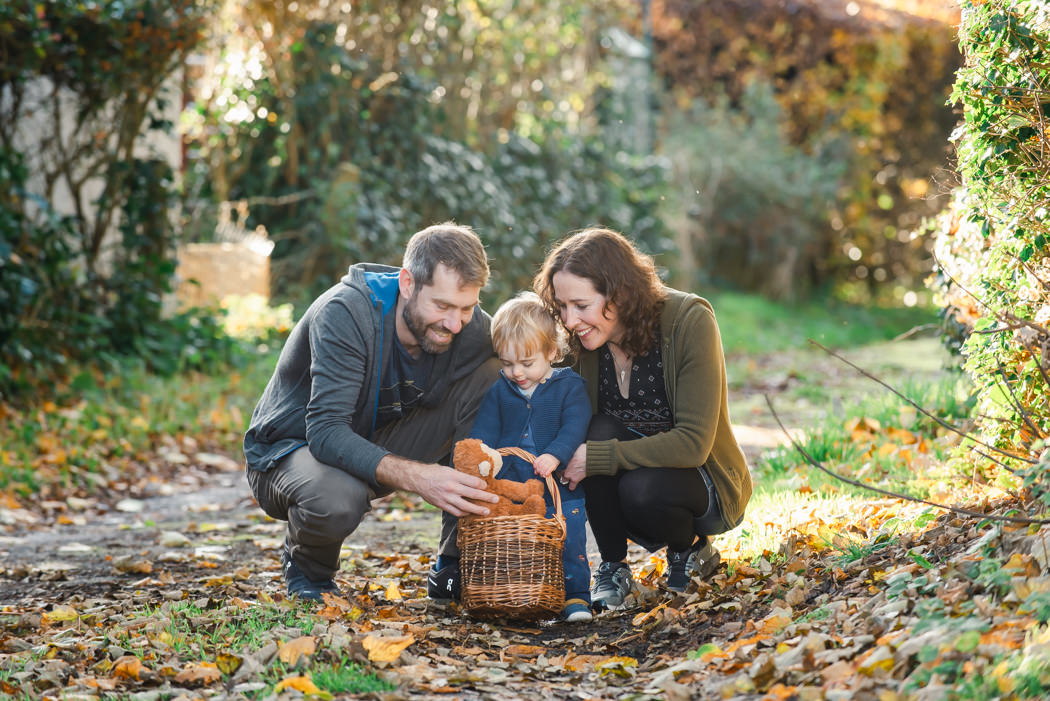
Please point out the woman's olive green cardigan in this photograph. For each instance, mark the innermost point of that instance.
(695, 378)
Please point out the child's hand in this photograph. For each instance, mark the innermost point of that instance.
(546, 464)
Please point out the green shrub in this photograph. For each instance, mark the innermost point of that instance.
(994, 245)
(89, 285)
(377, 168)
(754, 204)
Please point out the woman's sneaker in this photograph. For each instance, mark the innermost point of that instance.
(702, 559)
(612, 584)
(576, 611)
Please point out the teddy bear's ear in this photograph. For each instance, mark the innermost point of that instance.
(484, 467)
(495, 457)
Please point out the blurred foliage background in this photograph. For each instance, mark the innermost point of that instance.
(786, 148)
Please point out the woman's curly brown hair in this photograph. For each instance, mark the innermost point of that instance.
(621, 273)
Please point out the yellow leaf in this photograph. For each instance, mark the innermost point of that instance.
(386, 648)
(220, 581)
(617, 666)
(228, 663)
(393, 593)
(301, 684)
(60, 614)
(139, 423)
(291, 651)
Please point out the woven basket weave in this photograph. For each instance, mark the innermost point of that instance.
(511, 566)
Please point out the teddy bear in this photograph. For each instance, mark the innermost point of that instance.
(515, 498)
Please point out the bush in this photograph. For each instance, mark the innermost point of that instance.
(378, 169)
(755, 204)
(87, 286)
(994, 244)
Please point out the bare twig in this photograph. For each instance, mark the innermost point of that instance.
(885, 492)
(1000, 463)
(922, 410)
(1039, 363)
(1002, 316)
(912, 331)
(1017, 402)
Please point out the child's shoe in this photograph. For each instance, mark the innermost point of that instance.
(576, 611)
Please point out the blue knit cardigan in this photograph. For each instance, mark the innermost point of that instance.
(559, 412)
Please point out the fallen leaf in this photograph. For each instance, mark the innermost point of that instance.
(519, 651)
(228, 663)
(617, 666)
(128, 667)
(291, 651)
(201, 674)
(301, 684)
(131, 565)
(393, 593)
(386, 648)
(59, 614)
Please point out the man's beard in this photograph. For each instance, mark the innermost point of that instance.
(418, 327)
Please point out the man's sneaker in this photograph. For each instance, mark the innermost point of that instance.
(702, 559)
(612, 584)
(302, 586)
(444, 583)
(576, 611)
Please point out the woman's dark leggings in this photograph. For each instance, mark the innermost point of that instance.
(654, 504)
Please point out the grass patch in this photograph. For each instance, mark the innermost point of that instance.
(99, 424)
(201, 635)
(775, 513)
(753, 324)
(880, 440)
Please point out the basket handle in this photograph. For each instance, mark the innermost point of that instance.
(551, 487)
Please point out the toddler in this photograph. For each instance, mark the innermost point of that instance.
(545, 411)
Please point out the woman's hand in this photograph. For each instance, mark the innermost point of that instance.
(545, 465)
(576, 469)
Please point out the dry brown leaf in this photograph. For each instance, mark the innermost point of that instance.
(520, 651)
(386, 648)
(201, 674)
(291, 651)
(130, 565)
(128, 667)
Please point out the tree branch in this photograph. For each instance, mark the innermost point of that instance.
(885, 492)
(938, 419)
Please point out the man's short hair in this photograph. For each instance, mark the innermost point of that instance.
(454, 245)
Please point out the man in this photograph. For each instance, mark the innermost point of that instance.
(381, 375)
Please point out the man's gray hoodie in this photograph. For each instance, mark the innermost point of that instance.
(324, 390)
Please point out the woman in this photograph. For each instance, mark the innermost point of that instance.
(660, 465)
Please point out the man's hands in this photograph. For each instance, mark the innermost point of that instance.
(444, 487)
(576, 469)
(545, 465)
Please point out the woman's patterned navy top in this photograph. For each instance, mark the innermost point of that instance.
(645, 410)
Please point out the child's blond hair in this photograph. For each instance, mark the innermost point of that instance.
(524, 324)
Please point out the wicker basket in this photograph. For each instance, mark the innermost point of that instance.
(512, 565)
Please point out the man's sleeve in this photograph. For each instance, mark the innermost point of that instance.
(339, 359)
